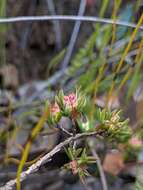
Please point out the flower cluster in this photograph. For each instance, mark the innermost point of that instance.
(114, 127)
(79, 160)
(132, 148)
(54, 114)
(135, 142)
(66, 105)
(71, 104)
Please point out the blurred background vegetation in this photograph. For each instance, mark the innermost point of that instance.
(106, 62)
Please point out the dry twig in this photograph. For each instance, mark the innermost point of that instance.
(33, 168)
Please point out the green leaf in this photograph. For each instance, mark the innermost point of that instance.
(69, 153)
(56, 60)
(78, 152)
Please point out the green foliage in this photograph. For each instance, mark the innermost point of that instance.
(115, 128)
(56, 60)
(102, 115)
(98, 76)
(78, 161)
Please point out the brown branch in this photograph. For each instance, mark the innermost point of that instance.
(33, 168)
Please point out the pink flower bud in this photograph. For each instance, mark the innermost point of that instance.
(135, 142)
(71, 104)
(54, 114)
(54, 109)
(74, 166)
(70, 101)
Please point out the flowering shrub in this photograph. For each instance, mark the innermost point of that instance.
(106, 125)
(109, 123)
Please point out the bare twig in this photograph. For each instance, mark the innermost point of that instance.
(69, 18)
(74, 35)
(64, 130)
(9, 185)
(56, 24)
(101, 171)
